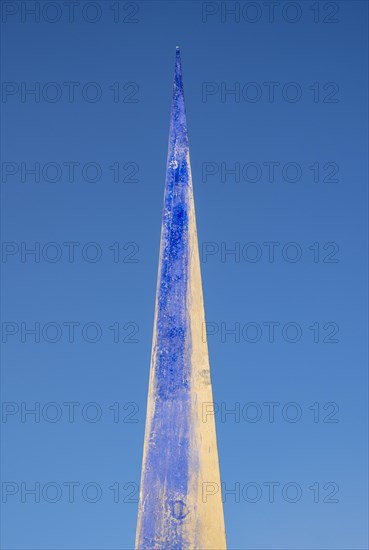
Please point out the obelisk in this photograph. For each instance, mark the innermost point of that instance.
(180, 457)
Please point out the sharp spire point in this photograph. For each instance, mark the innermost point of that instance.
(180, 449)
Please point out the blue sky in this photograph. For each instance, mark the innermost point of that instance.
(277, 117)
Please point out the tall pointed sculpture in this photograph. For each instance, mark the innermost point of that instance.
(180, 459)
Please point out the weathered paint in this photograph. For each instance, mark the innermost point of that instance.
(180, 450)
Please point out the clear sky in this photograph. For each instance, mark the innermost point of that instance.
(276, 97)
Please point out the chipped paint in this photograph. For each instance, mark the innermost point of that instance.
(180, 451)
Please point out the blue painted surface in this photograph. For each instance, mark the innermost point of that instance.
(167, 460)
